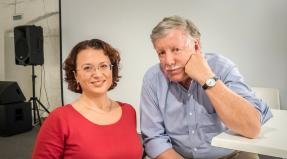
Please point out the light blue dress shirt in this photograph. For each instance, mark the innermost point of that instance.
(174, 117)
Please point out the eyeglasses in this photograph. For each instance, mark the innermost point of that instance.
(89, 68)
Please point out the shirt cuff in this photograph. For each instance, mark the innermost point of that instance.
(157, 146)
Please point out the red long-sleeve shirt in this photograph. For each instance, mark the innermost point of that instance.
(67, 134)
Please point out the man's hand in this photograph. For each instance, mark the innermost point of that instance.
(197, 67)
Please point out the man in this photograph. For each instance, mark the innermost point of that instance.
(191, 97)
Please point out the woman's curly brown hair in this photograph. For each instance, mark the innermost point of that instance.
(70, 62)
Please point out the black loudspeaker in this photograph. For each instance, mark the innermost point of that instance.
(28, 42)
(10, 92)
(15, 118)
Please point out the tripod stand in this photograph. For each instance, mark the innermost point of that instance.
(34, 100)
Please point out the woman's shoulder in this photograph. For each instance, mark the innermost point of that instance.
(59, 115)
(61, 110)
(126, 106)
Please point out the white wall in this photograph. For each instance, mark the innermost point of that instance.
(251, 33)
(2, 55)
(33, 11)
(2, 68)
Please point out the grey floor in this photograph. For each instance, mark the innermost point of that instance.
(20, 146)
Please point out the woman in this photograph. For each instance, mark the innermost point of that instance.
(93, 125)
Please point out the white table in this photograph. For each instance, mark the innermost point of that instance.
(272, 140)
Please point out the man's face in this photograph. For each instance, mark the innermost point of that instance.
(174, 51)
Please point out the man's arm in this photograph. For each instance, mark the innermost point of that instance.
(236, 112)
(169, 154)
(157, 144)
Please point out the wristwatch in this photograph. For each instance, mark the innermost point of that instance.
(210, 83)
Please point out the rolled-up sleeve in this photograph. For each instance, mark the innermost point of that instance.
(234, 80)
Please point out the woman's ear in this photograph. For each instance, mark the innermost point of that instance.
(75, 75)
(78, 88)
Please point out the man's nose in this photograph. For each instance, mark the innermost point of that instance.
(169, 58)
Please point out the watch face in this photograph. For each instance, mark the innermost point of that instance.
(210, 82)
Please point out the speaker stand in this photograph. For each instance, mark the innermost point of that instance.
(35, 101)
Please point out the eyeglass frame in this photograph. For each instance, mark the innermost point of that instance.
(98, 68)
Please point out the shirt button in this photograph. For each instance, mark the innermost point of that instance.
(192, 131)
(195, 149)
(190, 113)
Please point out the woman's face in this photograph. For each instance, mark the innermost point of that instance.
(94, 71)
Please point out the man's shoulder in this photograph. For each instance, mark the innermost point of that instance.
(216, 57)
(219, 64)
(218, 60)
(152, 72)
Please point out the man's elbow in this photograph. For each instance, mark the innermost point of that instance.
(253, 131)
(254, 126)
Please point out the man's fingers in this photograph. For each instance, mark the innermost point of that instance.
(189, 58)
